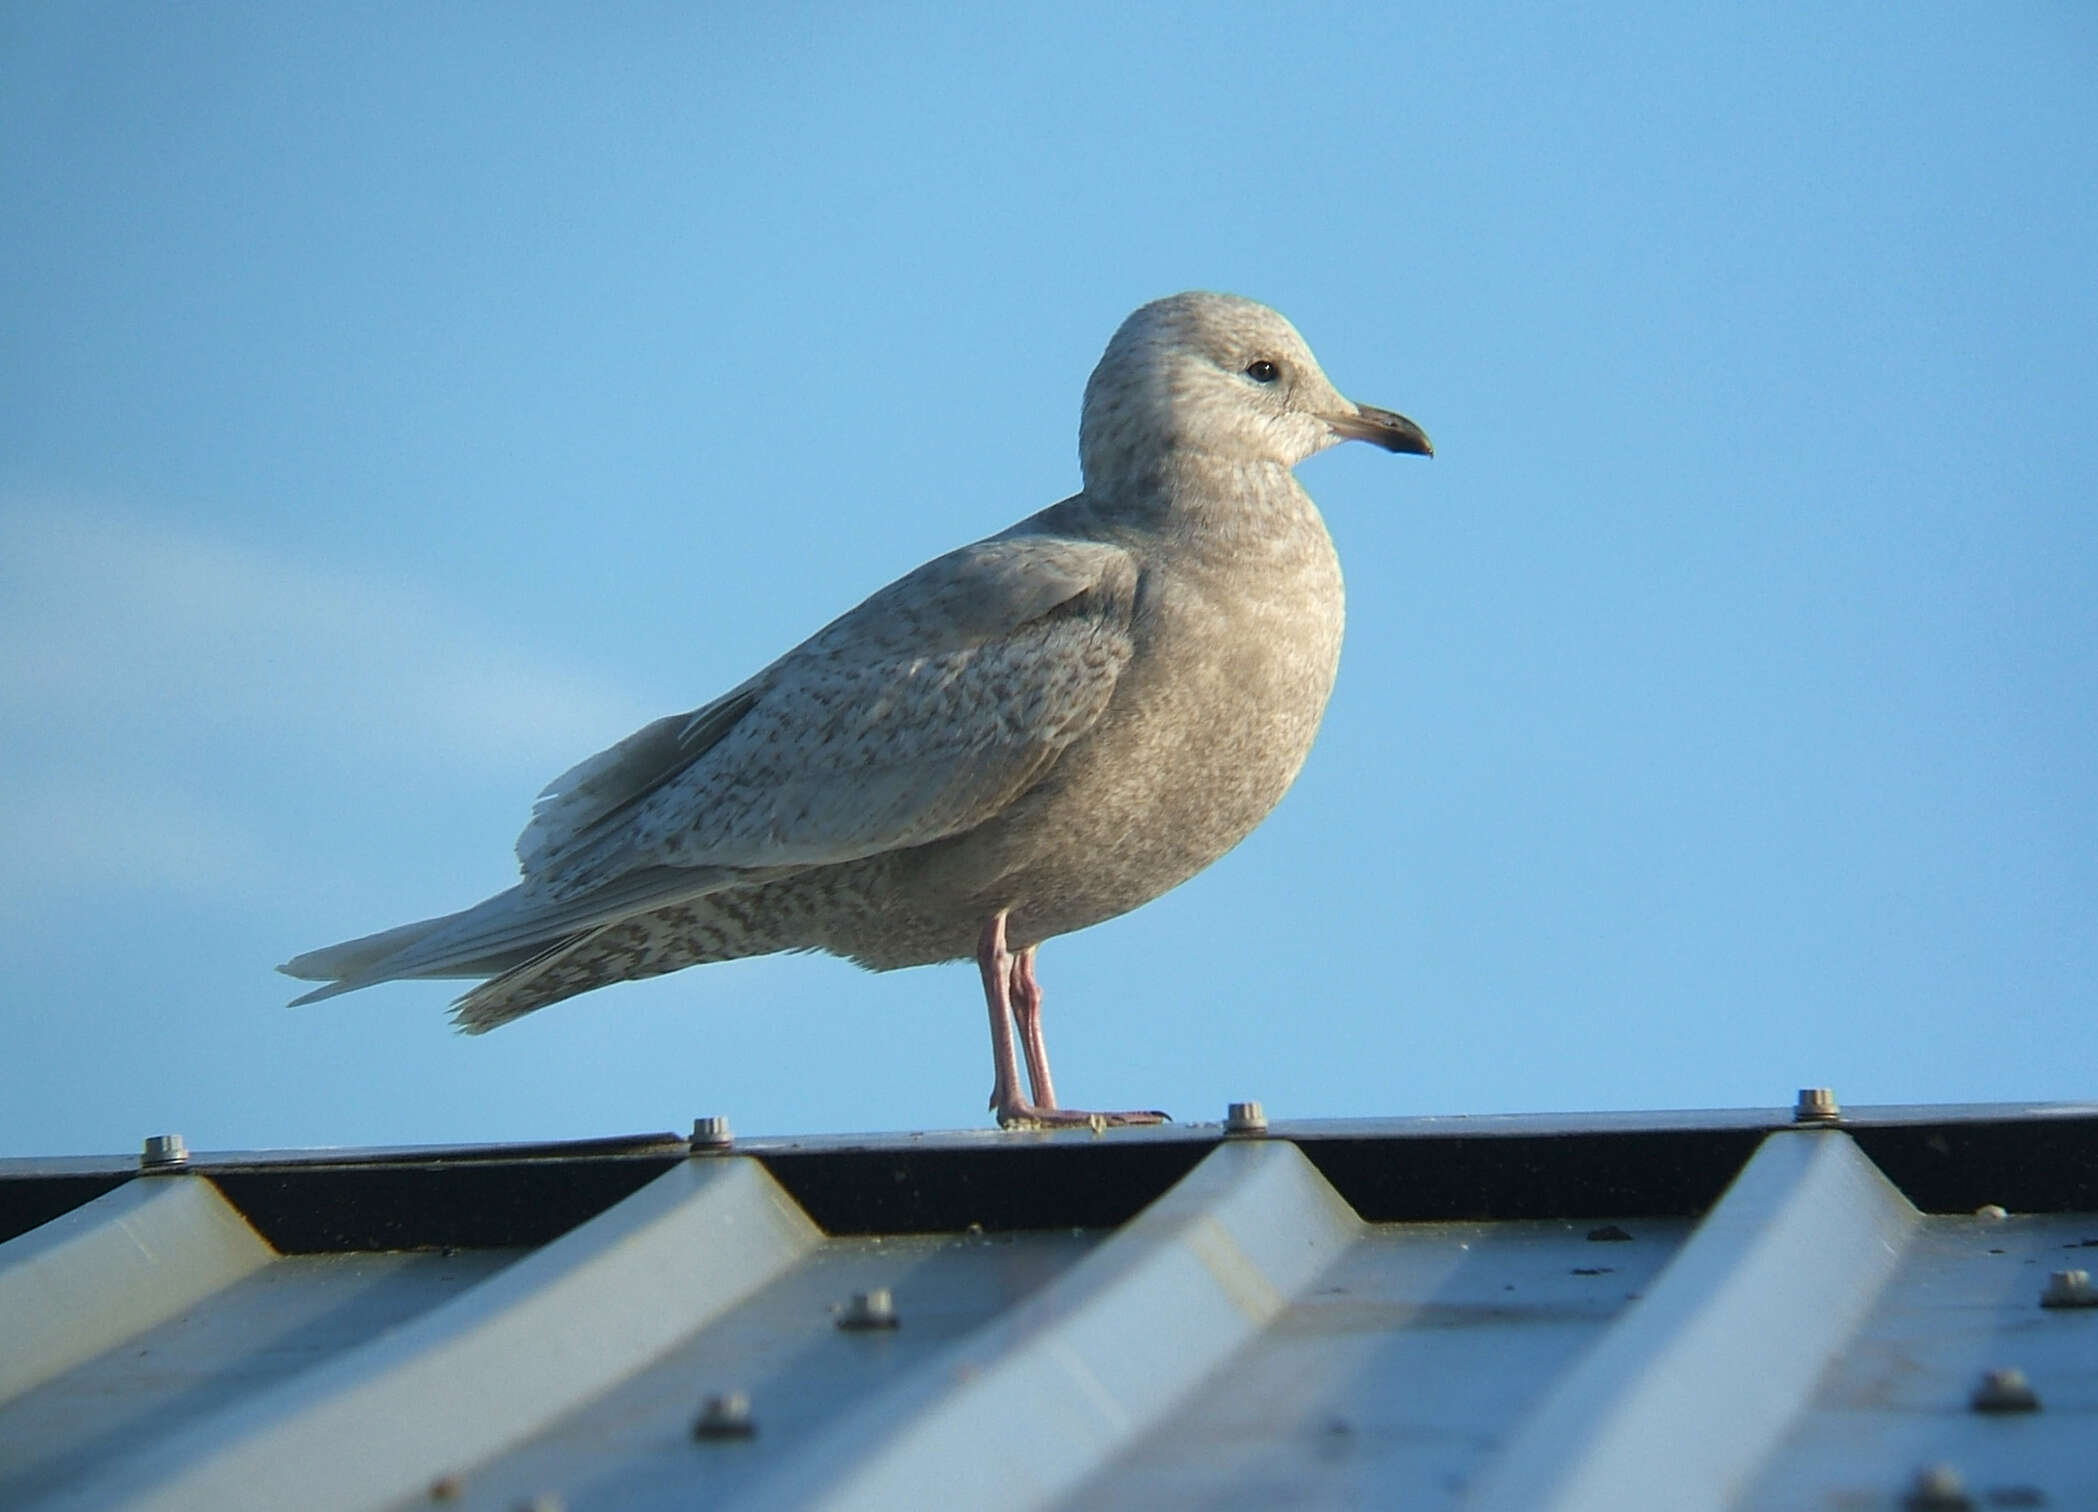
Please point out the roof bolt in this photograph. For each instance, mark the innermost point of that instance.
(1245, 1118)
(1937, 1488)
(870, 1310)
(711, 1133)
(1992, 1212)
(1817, 1105)
(2069, 1288)
(164, 1152)
(726, 1416)
(2004, 1390)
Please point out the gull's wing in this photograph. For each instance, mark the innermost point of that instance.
(590, 792)
(919, 714)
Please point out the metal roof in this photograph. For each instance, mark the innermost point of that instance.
(1683, 1310)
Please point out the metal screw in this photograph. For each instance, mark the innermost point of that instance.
(1245, 1118)
(711, 1133)
(164, 1152)
(725, 1416)
(2069, 1288)
(1937, 1488)
(2004, 1390)
(870, 1309)
(1817, 1105)
(1992, 1212)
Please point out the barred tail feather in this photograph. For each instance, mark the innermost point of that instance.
(720, 926)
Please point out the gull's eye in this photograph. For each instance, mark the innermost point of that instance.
(1263, 371)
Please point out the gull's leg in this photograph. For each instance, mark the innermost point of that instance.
(995, 962)
(1012, 995)
(1027, 1014)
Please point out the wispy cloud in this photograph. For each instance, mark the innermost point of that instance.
(137, 623)
(143, 664)
(66, 834)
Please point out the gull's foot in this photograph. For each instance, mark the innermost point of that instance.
(1025, 1115)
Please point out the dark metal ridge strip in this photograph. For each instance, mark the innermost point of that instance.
(31, 1201)
(462, 1204)
(1629, 1165)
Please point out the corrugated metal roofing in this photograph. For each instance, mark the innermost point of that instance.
(1660, 1310)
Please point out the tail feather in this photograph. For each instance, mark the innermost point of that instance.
(534, 950)
(451, 945)
(721, 926)
(498, 934)
(354, 957)
(372, 959)
(526, 986)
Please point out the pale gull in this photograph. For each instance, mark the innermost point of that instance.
(1019, 739)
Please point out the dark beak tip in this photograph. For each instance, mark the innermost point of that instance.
(1394, 432)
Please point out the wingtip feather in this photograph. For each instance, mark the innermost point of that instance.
(333, 989)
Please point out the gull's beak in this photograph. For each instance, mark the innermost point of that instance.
(1380, 427)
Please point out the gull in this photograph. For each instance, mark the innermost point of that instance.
(1026, 736)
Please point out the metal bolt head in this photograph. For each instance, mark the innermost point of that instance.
(1937, 1488)
(726, 1416)
(2004, 1390)
(869, 1310)
(164, 1152)
(1816, 1105)
(1245, 1118)
(1992, 1212)
(2069, 1288)
(712, 1133)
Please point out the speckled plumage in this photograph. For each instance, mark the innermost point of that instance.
(1044, 729)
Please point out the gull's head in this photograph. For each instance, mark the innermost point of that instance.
(1221, 376)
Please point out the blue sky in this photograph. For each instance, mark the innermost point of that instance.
(398, 404)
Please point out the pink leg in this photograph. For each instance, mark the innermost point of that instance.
(1027, 1014)
(995, 962)
(1012, 995)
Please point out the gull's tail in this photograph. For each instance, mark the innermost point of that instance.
(407, 950)
(535, 949)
